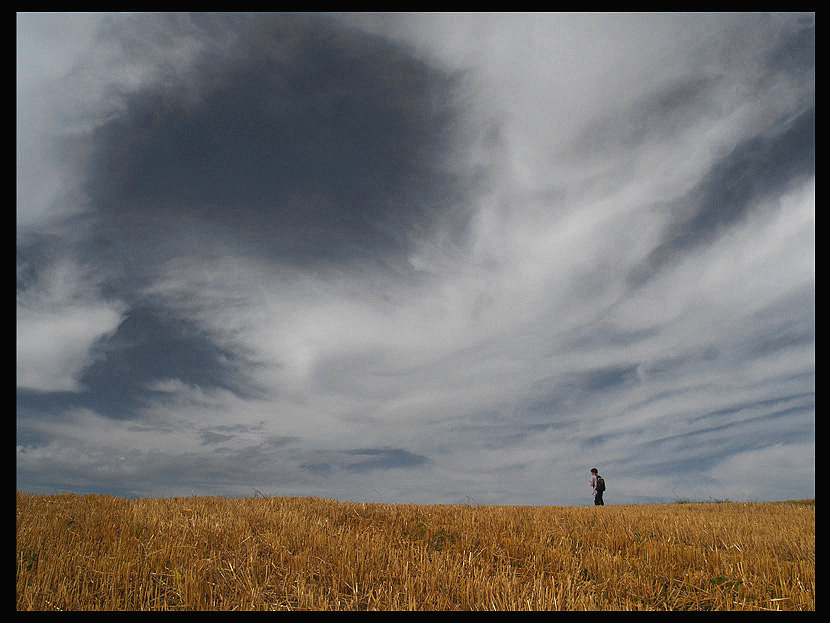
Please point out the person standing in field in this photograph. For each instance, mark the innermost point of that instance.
(598, 485)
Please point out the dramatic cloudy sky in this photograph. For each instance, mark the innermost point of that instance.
(436, 258)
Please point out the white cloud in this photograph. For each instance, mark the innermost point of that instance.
(764, 473)
(59, 321)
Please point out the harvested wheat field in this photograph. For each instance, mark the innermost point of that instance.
(212, 553)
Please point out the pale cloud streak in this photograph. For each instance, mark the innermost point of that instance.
(60, 319)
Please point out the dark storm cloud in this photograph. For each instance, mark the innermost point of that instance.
(147, 347)
(291, 138)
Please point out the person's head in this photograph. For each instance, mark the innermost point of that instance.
(594, 470)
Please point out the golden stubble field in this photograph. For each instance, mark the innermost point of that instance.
(214, 553)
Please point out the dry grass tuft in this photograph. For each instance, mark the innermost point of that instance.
(213, 553)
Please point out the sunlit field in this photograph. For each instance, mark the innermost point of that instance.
(214, 553)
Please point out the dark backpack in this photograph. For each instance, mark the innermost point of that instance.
(600, 483)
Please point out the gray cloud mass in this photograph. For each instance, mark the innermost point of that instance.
(417, 258)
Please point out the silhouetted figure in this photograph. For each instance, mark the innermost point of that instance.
(598, 485)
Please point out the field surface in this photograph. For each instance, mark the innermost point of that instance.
(214, 553)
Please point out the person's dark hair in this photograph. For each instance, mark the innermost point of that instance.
(594, 470)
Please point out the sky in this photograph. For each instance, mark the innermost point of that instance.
(417, 258)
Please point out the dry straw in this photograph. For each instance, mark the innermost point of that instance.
(213, 553)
